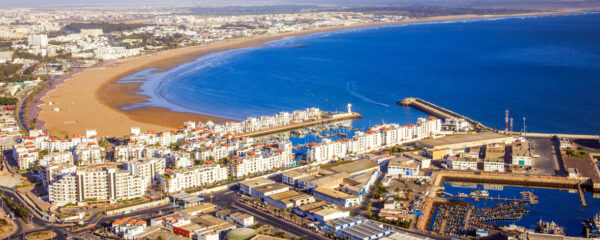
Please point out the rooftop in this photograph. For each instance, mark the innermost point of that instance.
(351, 166)
(456, 139)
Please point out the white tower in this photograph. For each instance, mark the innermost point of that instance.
(349, 108)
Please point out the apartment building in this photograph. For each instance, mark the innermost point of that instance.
(89, 153)
(147, 168)
(462, 161)
(96, 183)
(521, 154)
(376, 138)
(403, 166)
(197, 176)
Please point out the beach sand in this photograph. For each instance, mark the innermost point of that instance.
(92, 99)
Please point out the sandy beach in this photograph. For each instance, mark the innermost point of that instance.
(92, 99)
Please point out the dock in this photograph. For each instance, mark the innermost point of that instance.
(440, 112)
(301, 125)
(527, 197)
(581, 196)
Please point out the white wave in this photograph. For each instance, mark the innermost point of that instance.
(351, 86)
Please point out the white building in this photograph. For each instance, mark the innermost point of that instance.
(197, 176)
(96, 183)
(493, 164)
(40, 40)
(462, 162)
(403, 166)
(89, 153)
(521, 153)
(377, 138)
(148, 169)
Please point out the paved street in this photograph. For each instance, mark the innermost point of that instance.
(269, 219)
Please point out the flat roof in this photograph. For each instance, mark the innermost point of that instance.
(271, 187)
(352, 166)
(327, 211)
(257, 182)
(192, 227)
(199, 207)
(456, 139)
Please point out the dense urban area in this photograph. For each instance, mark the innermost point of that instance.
(246, 179)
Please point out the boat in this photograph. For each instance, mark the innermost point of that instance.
(549, 228)
(462, 195)
(591, 227)
(484, 193)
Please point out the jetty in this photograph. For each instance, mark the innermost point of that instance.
(440, 112)
(581, 196)
(526, 196)
(335, 118)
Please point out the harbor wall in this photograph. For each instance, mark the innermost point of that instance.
(506, 178)
(439, 112)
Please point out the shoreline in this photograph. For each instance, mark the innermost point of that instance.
(93, 98)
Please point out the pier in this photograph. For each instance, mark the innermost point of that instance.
(301, 125)
(581, 196)
(440, 112)
(504, 178)
(527, 197)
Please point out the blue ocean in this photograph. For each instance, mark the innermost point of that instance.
(546, 69)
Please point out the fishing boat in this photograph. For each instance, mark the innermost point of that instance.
(591, 227)
(462, 195)
(549, 228)
(484, 193)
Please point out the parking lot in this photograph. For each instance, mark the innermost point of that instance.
(547, 163)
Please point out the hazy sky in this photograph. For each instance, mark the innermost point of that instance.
(453, 3)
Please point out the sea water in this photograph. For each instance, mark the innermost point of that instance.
(546, 69)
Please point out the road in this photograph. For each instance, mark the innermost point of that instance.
(269, 219)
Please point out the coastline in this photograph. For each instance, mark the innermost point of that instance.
(92, 98)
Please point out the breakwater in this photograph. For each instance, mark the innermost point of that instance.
(506, 178)
(440, 112)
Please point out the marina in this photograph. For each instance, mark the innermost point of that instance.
(560, 206)
(463, 219)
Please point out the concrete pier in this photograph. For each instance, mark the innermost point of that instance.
(504, 178)
(439, 112)
(581, 196)
(301, 125)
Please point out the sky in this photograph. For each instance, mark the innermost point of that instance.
(523, 4)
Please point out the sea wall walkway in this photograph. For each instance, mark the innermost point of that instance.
(440, 112)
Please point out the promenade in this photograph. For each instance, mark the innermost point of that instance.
(440, 112)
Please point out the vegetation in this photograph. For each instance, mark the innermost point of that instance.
(7, 70)
(43, 153)
(396, 149)
(379, 191)
(398, 222)
(24, 185)
(368, 209)
(41, 235)
(8, 101)
(106, 27)
(21, 211)
(572, 153)
(175, 146)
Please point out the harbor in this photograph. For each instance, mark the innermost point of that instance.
(463, 219)
(552, 205)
